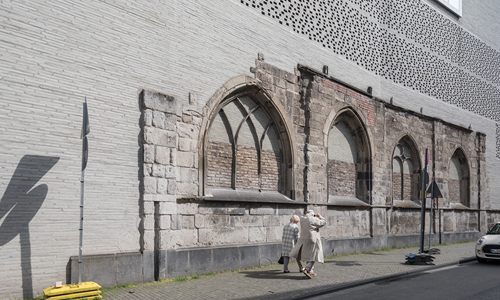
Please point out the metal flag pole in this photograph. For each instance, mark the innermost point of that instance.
(85, 153)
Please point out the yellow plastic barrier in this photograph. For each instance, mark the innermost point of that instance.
(73, 291)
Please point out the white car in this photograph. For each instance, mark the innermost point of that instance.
(488, 246)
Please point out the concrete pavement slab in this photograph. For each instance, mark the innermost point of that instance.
(271, 283)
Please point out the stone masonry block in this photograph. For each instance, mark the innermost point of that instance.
(162, 155)
(170, 172)
(149, 222)
(168, 208)
(158, 171)
(170, 122)
(199, 221)
(187, 188)
(246, 221)
(187, 144)
(173, 157)
(158, 119)
(212, 209)
(257, 234)
(172, 187)
(157, 101)
(149, 239)
(274, 234)
(148, 117)
(187, 175)
(187, 131)
(165, 222)
(148, 169)
(149, 185)
(216, 221)
(263, 210)
(187, 222)
(187, 208)
(160, 137)
(176, 222)
(149, 153)
(271, 221)
(186, 159)
(159, 198)
(149, 207)
(162, 186)
(290, 211)
(236, 210)
(179, 238)
(225, 235)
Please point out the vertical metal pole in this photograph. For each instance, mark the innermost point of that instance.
(422, 220)
(430, 226)
(81, 230)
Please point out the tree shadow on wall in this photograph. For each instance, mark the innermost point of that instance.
(19, 204)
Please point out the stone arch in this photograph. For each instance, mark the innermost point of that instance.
(459, 178)
(406, 158)
(348, 157)
(252, 132)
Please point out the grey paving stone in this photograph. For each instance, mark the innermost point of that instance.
(271, 283)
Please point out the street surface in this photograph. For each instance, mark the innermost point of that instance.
(269, 282)
(466, 281)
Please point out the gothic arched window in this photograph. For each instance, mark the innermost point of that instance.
(405, 174)
(348, 159)
(458, 181)
(246, 147)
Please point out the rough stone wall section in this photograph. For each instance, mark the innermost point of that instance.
(361, 100)
(160, 147)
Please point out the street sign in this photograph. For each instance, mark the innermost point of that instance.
(433, 190)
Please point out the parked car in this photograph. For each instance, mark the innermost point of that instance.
(488, 246)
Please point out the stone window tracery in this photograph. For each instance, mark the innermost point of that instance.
(244, 149)
(404, 172)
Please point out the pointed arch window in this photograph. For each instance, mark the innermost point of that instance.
(246, 148)
(459, 180)
(405, 171)
(349, 169)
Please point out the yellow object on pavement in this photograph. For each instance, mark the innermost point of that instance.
(88, 290)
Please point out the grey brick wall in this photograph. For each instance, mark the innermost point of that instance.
(55, 53)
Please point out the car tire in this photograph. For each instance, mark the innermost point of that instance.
(481, 260)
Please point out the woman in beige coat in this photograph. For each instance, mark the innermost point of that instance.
(309, 247)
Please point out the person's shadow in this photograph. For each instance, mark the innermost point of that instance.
(20, 203)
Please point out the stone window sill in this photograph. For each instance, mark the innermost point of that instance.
(405, 204)
(346, 201)
(459, 206)
(249, 196)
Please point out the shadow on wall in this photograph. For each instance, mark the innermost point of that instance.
(19, 204)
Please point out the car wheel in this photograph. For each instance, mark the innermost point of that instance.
(481, 260)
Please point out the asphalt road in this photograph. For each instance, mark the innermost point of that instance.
(466, 281)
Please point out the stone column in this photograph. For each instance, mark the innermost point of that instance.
(159, 166)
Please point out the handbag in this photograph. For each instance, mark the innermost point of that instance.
(280, 261)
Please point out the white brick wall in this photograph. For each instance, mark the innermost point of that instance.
(53, 53)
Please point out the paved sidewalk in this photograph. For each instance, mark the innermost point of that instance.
(271, 283)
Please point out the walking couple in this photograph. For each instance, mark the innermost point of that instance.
(306, 246)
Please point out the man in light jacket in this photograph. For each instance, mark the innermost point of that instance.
(309, 247)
